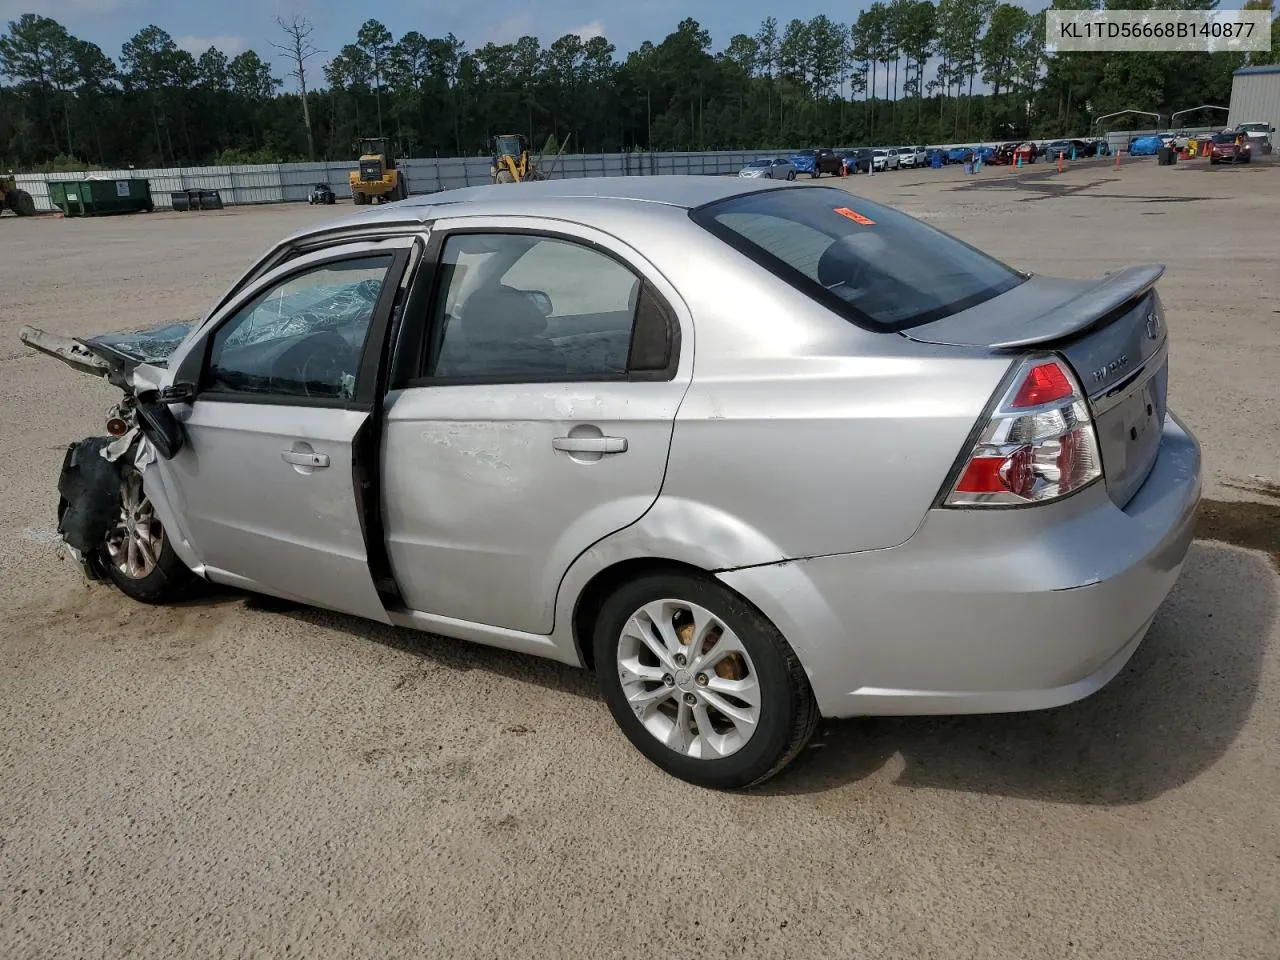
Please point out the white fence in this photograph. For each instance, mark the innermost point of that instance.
(292, 182)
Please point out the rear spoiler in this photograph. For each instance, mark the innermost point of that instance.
(1074, 306)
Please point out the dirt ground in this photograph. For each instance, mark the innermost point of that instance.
(228, 779)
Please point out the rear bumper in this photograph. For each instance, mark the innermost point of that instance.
(988, 611)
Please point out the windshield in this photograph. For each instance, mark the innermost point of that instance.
(878, 153)
(508, 146)
(759, 163)
(1224, 138)
(1260, 127)
(875, 266)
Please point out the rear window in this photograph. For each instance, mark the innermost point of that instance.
(875, 266)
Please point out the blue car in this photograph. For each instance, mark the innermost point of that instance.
(960, 154)
(935, 152)
(803, 162)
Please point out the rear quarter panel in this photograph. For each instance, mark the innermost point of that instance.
(802, 434)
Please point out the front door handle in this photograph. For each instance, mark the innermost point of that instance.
(590, 444)
(303, 459)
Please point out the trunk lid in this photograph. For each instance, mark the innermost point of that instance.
(1111, 331)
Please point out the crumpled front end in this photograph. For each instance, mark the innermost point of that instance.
(94, 469)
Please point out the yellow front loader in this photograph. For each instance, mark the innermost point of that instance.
(13, 197)
(377, 179)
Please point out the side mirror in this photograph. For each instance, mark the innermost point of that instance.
(158, 423)
(540, 300)
(179, 392)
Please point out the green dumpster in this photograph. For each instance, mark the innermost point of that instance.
(95, 198)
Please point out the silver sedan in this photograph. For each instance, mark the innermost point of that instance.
(777, 168)
(755, 453)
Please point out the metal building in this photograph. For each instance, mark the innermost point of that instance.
(1255, 95)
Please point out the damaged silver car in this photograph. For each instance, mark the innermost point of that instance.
(756, 453)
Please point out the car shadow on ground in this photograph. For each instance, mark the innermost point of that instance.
(1171, 713)
(445, 652)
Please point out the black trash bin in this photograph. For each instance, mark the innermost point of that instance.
(181, 200)
(1165, 156)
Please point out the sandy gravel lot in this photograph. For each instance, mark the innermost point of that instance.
(230, 780)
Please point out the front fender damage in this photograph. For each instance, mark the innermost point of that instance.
(89, 492)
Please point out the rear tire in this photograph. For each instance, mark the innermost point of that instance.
(791, 175)
(21, 203)
(137, 556)
(690, 621)
(504, 176)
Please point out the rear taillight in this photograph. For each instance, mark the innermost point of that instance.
(1039, 444)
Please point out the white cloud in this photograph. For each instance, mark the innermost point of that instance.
(589, 30)
(510, 30)
(524, 24)
(197, 45)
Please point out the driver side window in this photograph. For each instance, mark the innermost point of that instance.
(302, 337)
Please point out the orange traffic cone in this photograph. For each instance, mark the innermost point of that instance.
(1117, 159)
(1062, 160)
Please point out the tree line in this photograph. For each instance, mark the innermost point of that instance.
(905, 71)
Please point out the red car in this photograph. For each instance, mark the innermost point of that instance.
(1230, 146)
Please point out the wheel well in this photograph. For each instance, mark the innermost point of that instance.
(598, 589)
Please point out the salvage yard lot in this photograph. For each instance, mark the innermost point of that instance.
(232, 778)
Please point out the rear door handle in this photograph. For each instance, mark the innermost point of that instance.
(590, 444)
(299, 459)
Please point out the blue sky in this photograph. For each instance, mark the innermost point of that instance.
(236, 25)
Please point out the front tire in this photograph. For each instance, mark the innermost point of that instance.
(137, 556)
(700, 682)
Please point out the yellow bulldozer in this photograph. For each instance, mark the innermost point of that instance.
(510, 161)
(14, 197)
(377, 179)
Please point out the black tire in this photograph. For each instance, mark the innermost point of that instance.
(788, 711)
(168, 581)
(22, 203)
(791, 175)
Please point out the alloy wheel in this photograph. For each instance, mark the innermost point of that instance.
(134, 543)
(689, 679)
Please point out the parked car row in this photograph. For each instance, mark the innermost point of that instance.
(843, 162)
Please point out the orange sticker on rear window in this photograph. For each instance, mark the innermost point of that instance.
(855, 216)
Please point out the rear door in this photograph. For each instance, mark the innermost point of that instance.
(531, 414)
(270, 482)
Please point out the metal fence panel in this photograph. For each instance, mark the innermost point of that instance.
(292, 182)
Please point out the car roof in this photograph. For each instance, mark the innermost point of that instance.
(583, 195)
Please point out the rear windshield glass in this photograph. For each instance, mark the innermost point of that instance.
(875, 266)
